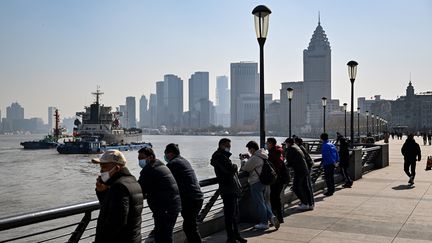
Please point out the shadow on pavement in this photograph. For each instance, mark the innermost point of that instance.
(403, 187)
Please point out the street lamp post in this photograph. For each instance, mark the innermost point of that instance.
(352, 72)
(373, 129)
(290, 92)
(358, 123)
(367, 123)
(345, 111)
(324, 104)
(261, 15)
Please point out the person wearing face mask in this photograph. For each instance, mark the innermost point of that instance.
(229, 188)
(161, 191)
(190, 191)
(120, 198)
(258, 190)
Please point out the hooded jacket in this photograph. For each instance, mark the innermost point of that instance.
(121, 206)
(254, 165)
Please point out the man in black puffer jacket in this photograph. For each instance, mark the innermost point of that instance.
(160, 189)
(190, 191)
(121, 201)
(411, 152)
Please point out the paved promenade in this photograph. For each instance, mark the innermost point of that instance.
(380, 207)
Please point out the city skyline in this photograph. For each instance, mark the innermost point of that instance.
(64, 50)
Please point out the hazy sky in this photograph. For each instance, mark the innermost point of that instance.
(54, 53)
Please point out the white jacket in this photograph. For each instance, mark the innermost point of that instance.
(254, 165)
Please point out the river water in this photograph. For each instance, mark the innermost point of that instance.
(33, 180)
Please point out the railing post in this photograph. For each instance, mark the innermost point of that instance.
(208, 206)
(76, 235)
(383, 159)
(355, 167)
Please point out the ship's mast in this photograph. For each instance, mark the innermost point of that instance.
(97, 94)
(57, 121)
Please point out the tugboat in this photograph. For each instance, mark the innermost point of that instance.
(49, 141)
(87, 145)
(98, 120)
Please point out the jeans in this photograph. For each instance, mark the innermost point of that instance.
(164, 225)
(190, 211)
(275, 200)
(263, 208)
(329, 177)
(407, 165)
(231, 214)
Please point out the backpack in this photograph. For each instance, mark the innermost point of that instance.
(268, 174)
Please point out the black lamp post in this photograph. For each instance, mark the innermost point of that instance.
(290, 92)
(352, 72)
(261, 15)
(358, 123)
(324, 104)
(373, 129)
(378, 125)
(345, 111)
(367, 123)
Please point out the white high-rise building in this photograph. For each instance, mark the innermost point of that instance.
(222, 101)
(144, 116)
(51, 118)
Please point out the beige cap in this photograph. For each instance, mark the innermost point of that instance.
(111, 156)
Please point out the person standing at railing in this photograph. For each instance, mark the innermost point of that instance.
(344, 161)
(411, 152)
(276, 158)
(190, 191)
(329, 158)
(430, 137)
(301, 182)
(120, 198)
(229, 188)
(161, 191)
(310, 164)
(253, 166)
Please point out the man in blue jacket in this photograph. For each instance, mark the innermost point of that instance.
(329, 158)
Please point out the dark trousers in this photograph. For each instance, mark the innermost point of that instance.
(190, 211)
(275, 200)
(344, 171)
(407, 165)
(164, 225)
(231, 214)
(329, 177)
(302, 187)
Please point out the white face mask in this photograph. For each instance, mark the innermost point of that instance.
(106, 175)
(227, 150)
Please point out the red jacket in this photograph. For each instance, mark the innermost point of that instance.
(276, 158)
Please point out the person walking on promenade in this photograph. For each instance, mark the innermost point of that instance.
(424, 138)
(429, 136)
(411, 152)
(309, 163)
(229, 188)
(160, 189)
(344, 161)
(120, 199)
(329, 158)
(253, 166)
(275, 156)
(301, 183)
(190, 191)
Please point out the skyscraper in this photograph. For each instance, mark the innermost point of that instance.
(152, 111)
(222, 101)
(15, 112)
(144, 116)
(131, 112)
(160, 106)
(51, 118)
(244, 82)
(173, 100)
(198, 89)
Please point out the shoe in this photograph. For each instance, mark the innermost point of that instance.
(347, 185)
(303, 207)
(241, 239)
(328, 194)
(311, 207)
(275, 222)
(411, 180)
(261, 226)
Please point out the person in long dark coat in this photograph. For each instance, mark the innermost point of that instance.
(412, 153)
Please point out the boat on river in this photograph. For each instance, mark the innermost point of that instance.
(92, 145)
